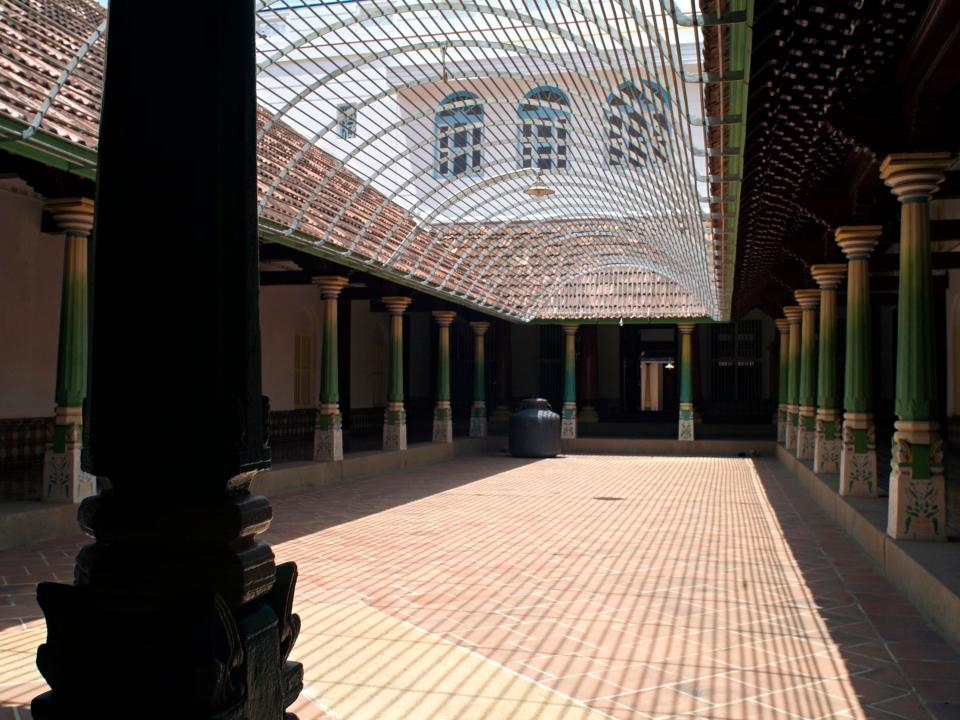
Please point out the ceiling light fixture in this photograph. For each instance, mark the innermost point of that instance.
(539, 189)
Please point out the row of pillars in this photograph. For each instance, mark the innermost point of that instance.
(328, 441)
(328, 435)
(569, 416)
(808, 420)
(64, 480)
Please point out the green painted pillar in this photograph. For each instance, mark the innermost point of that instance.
(793, 314)
(783, 379)
(478, 413)
(442, 415)
(917, 492)
(568, 427)
(807, 299)
(63, 479)
(858, 453)
(328, 435)
(395, 416)
(686, 424)
(826, 447)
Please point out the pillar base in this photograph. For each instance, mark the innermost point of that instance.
(63, 480)
(328, 436)
(826, 446)
(790, 441)
(568, 424)
(781, 424)
(917, 489)
(442, 423)
(588, 414)
(200, 617)
(685, 429)
(806, 432)
(478, 420)
(858, 456)
(395, 427)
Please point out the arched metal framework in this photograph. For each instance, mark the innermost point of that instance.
(608, 105)
(393, 136)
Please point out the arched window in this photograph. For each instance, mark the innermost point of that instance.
(459, 134)
(543, 129)
(639, 124)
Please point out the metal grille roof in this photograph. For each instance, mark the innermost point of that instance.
(401, 137)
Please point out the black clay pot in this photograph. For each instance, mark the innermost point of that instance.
(535, 430)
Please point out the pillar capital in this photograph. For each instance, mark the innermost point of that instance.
(793, 313)
(783, 325)
(444, 318)
(858, 241)
(396, 305)
(686, 328)
(808, 298)
(829, 276)
(330, 285)
(479, 328)
(73, 215)
(570, 329)
(914, 176)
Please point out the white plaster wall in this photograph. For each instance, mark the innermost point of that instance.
(608, 361)
(283, 310)
(525, 360)
(30, 275)
(369, 347)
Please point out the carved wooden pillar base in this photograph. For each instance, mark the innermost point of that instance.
(328, 435)
(478, 420)
(826, 448)
(395, 427)
(781, 423)
(806, 432)
(442, 422)
(63, 480)
(568, 423)
(918, 508)
(177, 607)
(858, 456)
(685, 429)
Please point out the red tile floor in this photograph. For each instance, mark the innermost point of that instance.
(585, 586)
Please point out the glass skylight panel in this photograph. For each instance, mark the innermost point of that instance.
(603, 101)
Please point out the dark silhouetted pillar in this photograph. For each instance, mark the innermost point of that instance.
(177, 611)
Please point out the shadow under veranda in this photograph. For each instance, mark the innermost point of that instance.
(366, 496)
(891, 653)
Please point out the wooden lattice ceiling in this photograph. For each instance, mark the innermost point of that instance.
(814, 65)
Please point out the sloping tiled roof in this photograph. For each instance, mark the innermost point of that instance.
(51, 76)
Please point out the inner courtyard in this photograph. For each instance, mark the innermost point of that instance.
(590, 586)
(368, 359)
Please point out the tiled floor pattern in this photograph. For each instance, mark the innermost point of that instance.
(580, 587)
